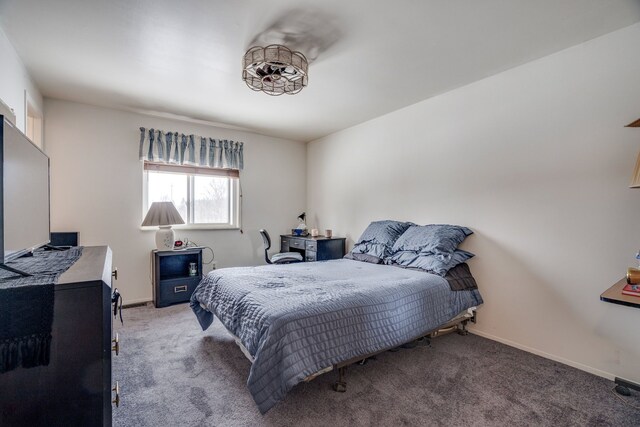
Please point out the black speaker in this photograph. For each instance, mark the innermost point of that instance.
(69, 238)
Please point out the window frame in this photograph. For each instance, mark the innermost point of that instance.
(33, 121)
(235, 194)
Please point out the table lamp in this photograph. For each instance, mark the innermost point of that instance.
(164, 215)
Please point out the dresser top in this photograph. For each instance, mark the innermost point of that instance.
(93, 265)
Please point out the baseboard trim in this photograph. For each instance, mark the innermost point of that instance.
(549, 356)
(136, 302)
(582, 367)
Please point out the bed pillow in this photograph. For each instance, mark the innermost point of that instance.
(460, 278)
(434, 239)
(437, 264)
(364, 257)
(377, 240)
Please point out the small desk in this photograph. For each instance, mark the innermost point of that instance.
(313, 248)
(614, 294)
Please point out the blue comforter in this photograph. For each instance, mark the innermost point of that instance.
(300, 318)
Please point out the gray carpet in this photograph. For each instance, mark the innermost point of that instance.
(173, 374)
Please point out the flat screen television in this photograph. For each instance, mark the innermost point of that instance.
(24, 194)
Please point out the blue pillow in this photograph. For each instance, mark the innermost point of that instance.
(364, 257)
(432, 239)
(436, 264)
(378, 239)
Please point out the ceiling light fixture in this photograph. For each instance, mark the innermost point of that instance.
(275, 70)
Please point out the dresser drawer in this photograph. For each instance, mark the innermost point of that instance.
(311, 245)
(310, 256)
(296, 243)
(176, 290)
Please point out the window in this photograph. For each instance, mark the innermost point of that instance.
(205, 197)
(33, 128)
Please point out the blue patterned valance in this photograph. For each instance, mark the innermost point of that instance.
(180, 149)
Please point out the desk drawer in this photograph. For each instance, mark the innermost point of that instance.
(310, 255)
(296, 243)
(311, 245)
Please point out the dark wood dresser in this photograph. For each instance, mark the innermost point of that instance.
(75, 389)
(313, 248)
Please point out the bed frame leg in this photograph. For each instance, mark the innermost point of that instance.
(366, 360)
(462, 328)
(340, 386)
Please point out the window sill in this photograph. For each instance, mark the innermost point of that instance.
(196, 227)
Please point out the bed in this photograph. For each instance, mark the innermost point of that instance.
(299, 320)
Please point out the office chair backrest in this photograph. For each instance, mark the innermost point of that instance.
(267, 244)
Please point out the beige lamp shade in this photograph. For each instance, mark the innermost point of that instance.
(162, 213)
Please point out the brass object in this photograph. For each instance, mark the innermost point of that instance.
(633, 275)
(116, 399)
(114, 273)
(443, 331)
(116, 344)
(635, 124)
(635, 178)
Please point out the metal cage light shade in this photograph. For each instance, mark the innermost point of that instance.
(275, 70)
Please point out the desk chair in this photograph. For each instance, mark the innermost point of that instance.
(280, 258)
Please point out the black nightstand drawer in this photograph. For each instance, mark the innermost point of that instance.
(177, 290)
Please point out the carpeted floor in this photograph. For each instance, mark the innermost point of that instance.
(173, 374)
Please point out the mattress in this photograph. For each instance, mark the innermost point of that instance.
(298, 319)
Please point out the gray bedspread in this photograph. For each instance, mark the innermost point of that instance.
(300, 318)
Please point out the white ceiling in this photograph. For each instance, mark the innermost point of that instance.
(371, 57)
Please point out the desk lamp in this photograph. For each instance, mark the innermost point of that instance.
(164, 215)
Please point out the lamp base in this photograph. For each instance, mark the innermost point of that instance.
(165, 238)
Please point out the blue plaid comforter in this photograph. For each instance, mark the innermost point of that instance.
(298, 319)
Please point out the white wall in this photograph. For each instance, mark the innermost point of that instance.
(96, 188)
(14, 81)
(536, 160)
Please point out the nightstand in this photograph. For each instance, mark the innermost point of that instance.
(172, 281)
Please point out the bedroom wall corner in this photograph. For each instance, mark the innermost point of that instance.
(537, 161)
(15, 81)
